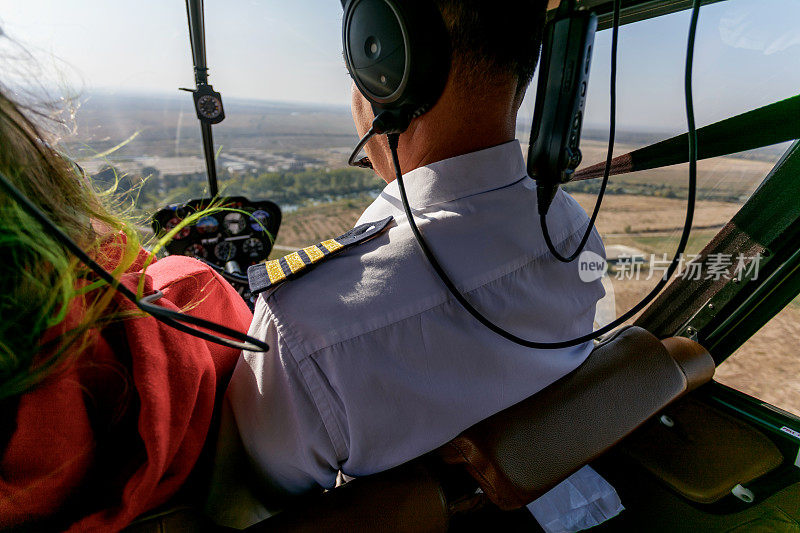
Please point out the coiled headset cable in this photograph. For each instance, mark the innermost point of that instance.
(692, 137)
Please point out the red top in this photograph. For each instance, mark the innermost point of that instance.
(117, 432)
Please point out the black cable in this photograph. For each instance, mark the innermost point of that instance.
(169, 317)
(394, 141)
(364, 161)
(612, 131)
(227, 276)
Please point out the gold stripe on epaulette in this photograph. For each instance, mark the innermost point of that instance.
(295, 262)
(269, 274)
(275, 272)
(314, 253)
(331, 245)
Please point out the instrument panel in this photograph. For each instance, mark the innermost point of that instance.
(230, 240)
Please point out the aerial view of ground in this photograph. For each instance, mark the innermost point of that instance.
(296, 156)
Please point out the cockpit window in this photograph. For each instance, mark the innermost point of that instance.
(746, 57)
(288, 129)
(117, 68)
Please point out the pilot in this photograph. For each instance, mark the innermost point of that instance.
(372, 362)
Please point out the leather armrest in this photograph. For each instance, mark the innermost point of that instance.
(695, 361)
(522, 452)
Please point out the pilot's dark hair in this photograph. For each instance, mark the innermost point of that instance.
(495, 37)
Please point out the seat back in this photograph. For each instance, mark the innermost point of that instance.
(522, 452)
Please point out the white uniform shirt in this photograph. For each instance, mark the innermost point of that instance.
(372, 362)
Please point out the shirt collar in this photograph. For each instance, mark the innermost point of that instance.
(462, 176)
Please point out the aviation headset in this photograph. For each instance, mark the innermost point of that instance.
(398, 54)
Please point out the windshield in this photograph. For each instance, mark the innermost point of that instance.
(288, 129)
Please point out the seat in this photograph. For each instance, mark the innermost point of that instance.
(520, 453)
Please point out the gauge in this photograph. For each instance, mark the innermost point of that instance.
(209, 106)
(261, 218)
(183, 233)
(254, 248)
(207, 225)
(196, 250)
(225, 251)
(234, 223)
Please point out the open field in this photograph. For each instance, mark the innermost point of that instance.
(312, 224)
(645, 214)
(650, 224)
(768, 365)
(724, 178)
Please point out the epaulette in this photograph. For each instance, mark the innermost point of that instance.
(268, 274)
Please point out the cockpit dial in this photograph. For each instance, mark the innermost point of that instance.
(196, 250)
(209, 106)
(183, 233)
(225, 251)
(254, 247)
(207, 225)
(259, 220)
(238, 230)
(234, 223)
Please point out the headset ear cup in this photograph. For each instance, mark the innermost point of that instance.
(398, 54)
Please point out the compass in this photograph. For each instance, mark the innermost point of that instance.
(208, 105)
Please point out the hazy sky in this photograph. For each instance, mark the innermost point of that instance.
(291, 50)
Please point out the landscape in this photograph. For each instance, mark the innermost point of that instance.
(148, 149)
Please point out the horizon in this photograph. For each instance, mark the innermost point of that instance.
(181, 98)
(260, 52)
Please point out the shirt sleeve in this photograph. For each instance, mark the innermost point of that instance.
(277, 417)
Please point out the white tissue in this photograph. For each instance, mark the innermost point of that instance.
(581, 501)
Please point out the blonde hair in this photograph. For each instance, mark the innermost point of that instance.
(40, 281)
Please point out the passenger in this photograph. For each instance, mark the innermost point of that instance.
(373, 363)
(104, 411)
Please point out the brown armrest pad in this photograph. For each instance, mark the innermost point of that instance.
(522, 452)
(695, 361)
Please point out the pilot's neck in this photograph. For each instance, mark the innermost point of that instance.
(457, 126)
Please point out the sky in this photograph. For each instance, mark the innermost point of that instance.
(746, 56)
